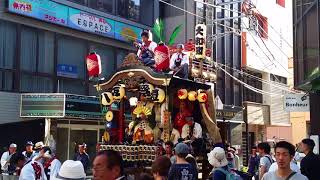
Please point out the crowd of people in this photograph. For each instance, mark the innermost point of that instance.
(284, 164)
(176, 162)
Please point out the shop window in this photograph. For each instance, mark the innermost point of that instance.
(72, 51)
(281, 3)
(102, 5)
(8, 35)
(46, 52)
(36, 84)
(121, 54)
(28, 47)
(6, 81)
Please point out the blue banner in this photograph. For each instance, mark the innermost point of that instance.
(56, 13)
(66, 70)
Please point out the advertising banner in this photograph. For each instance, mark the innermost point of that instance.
(41, 9)
(125, 32)
(91, 23)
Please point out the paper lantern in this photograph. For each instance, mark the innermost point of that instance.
(202, 97)
(106, 98)
(182, 93)
(161, 57)
(93, 65)
(118, 92)
(192, 96)
(146, 89)
(158, 95)
(109, 116)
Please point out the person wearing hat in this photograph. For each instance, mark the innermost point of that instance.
(311, 162)
(82, 156)
(71, 170)
(29, 153)
(217, 158)
(51, 164)
(6, 167)
(146, 49)
(182, 169)
(29, 169)
(179, 63)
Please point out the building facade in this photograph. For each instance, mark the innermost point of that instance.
(43, 45)
(267, 47)
(306, 54)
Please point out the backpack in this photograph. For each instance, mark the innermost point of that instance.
(229, 175)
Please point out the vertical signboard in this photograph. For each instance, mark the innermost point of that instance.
(200, 41)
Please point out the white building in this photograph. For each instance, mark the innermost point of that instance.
(266, 48)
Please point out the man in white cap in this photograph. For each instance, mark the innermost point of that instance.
(179, 63)
(6, 167)
(29, 169)
(71, 170)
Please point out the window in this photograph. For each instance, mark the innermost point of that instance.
(281, 2)
(82, 2)
(37, 51)
(121, 54)
(6, 81)
(129, 9)
(200, 13)
(107, 58)
(72, 87)
(278, 79)
(262, 26)
(36, 84)
(102, 5)
(8, 35)
(249, 95)
(72, 51)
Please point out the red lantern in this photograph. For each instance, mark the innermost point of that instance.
(161, 57)
(93, 65)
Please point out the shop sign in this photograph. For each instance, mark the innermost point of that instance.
(42, 105)
(91, 23)
(200, 41)
(296, 103)
(65, 70)
(221, 114)
(56, 13)
(41, 9)
(82, 107)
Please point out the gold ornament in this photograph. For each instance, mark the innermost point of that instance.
(202, 96)
(109, 116)
(142, 110)
(192, 96)
(106, 136)
(182, 94)
(106, 98)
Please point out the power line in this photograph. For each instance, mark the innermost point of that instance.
(272, 83)
(249, 86)
(267, 49)
(250, 3)
(208, 4)
(231, 28)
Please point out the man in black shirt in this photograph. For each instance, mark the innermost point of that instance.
(311, 163)
(82, 156)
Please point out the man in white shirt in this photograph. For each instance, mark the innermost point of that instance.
(146, 49)
(293, 166)
(29, 170)
(284, 154)
(51, 164)
(5, 161)
(179, 63)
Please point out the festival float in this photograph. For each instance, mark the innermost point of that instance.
(142, 106)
